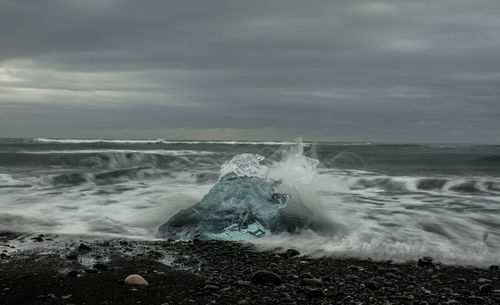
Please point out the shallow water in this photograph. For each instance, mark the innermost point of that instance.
(385, 201)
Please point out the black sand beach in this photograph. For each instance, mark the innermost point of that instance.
(54, 271)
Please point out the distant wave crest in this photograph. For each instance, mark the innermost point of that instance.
(157, 141)
(124, 151)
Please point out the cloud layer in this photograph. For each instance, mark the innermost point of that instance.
(392, 71)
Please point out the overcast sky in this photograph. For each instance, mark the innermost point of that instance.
(389, 71)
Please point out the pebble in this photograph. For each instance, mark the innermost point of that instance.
(371, 285)
(352, 278)
(353, 267)
(311, 282)
(37, 239)
(211, 287)
(72, 273)
(315, 293)
(390, 275)
(494, 268)
(306, 276)
(485, 288)
(243, 283)
(425, 264)
(427, 258)
(292, 253)
(135, 279)
(72, 256)
(91, 271)
(84, 248)
(100, 266)
(265, 276)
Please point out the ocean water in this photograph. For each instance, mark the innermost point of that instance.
(385, 201)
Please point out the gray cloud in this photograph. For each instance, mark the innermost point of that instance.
(426, 71)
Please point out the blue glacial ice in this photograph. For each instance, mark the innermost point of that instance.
(242, 205)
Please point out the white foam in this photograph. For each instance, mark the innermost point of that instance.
(6, 179)
(368, 243)
(390, 220)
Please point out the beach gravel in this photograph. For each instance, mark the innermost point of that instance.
(217, 272)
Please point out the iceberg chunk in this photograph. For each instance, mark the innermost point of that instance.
(238, 208)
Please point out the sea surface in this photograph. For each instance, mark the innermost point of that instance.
(387, 201)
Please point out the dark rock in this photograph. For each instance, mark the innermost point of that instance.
(211, 287)
(291, 253)
(494, 268)
(155, 254)
(306, 276)
(265, 276)
(352, 278)
(84, 248)
(485, 288)
(353, 267)
(72, 256)
(427, 258)
(3, 255)
(461, 280)
(425, 264)
(37, 239)
(72, 273)
(243, 283)
(390, 275)
(315, 293)
(91, 270)
(371, 285)
(311, 282)
(100, 266)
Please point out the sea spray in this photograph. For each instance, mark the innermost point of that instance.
(394, 202)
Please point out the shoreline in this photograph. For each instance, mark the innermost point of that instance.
(81, 271)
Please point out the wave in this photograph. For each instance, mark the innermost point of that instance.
(124, 151)
(157, 141)
(114, 176)
(89, 141)
(111, 159)
(425, 184)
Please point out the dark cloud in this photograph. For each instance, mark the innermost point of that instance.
(426, 71)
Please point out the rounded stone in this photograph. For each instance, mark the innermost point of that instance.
(265, 276)
(135, 279)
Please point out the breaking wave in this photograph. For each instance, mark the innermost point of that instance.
(387, 201)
